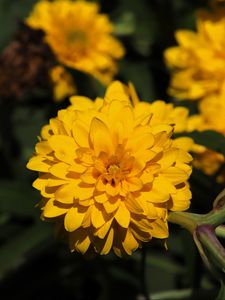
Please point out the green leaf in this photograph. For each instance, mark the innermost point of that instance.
(140, 75)
(221, 295)
(162, 262)
(125, 24)
(10, 13)
(173, 294)
(208, 138)
(17, 199)
(14, 253)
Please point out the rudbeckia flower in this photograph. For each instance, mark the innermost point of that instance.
(109, 174)
(79, 35)
(198, 62)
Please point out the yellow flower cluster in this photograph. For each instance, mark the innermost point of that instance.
(198, 73)
(79, 35)
(109, 171)
(198, 62)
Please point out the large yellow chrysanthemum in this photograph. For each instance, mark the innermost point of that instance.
(198, 62)
(109, 174)
(80, 37)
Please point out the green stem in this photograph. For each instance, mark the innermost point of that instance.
(216, 252)
(190, 221)
(143, 274)
(220, 231)
(216, 217)
(187, 220)
(221, 295)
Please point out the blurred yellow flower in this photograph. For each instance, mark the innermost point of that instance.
(212, 110)
(80, 37)
(198, 62)
(109, 175)
(207, 160)
(63, 84)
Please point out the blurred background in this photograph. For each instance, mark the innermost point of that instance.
(32, 263)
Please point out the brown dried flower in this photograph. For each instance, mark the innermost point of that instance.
(25, 64)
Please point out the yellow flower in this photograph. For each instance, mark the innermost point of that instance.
(212, 110)
(80, 37)
(208, 161)
(109, 175)
(63, 84)
(198, 62)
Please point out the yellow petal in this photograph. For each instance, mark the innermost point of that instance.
(64, 147)
(81, 103)
(51, 210)
(73, 219)
(77, 168)
(40, 182)
(142, 236)
(101, 198)
(134, 183)
(83, 244)
(162, 182)
(110, 205)
(59, 170)
(37, 163)
(130, 244)
(122, 216)
(186, 38)
(133, 205)
(117, 91)
(141, 140)
(175, 175)
(159, 229)
(112, 190)
(181, 200)
(100, 137)
(66, 193)
(102, 231)
(87, 218)
(43, 148)
(116, 111)
(168, 158)
(80, 134)
(133, 93)
(155, 196)
(88, 176)
(84, 191)
(108, 243)
(184, 143)
(97, 218)
(55, 182)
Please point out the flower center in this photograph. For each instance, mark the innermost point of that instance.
(113, 170)
(76, 36)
